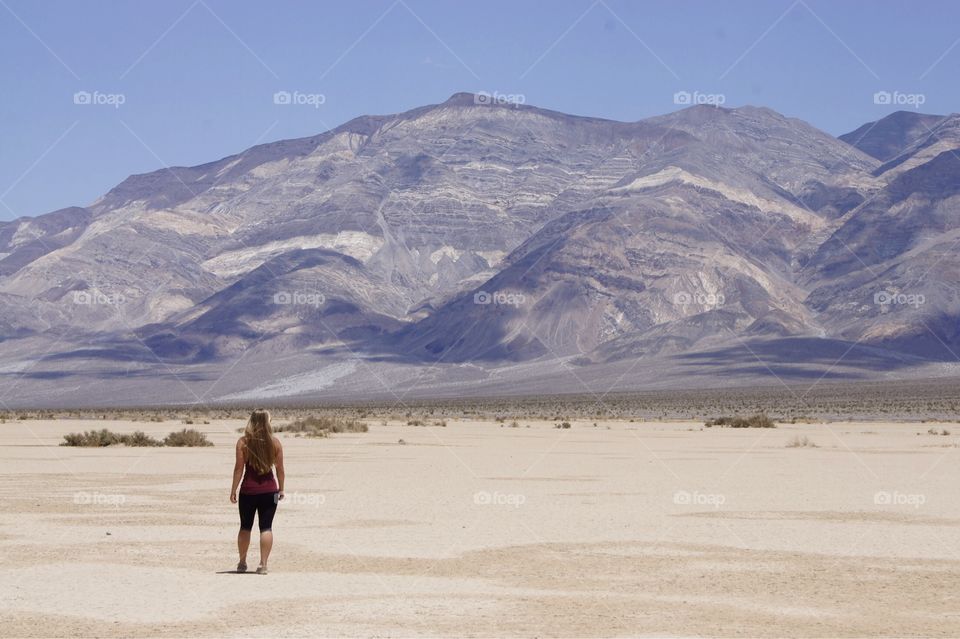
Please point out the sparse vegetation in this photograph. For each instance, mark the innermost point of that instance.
(562, 425)
(140, 438)
(187, 437)
(104, 437)
(755, 421)
(91, 439)
(322, 426)
(801, 442)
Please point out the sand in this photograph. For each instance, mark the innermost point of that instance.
(624, 529)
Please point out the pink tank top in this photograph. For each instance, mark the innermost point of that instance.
(255, 483)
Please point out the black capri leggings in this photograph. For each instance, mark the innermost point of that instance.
(264, 506)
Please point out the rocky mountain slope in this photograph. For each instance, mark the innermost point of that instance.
(470, 239)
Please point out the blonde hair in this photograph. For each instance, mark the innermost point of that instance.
(258, 441)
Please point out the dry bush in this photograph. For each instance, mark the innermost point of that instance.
(801, 442)
(139, 438)
(322, 426)
(189, 437)
(755, 421)
(91, 439)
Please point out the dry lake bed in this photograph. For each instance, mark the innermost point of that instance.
(480, 529)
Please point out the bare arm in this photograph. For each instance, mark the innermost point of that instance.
(237, 471)
(281, 473)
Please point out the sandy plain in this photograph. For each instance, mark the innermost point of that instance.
(480, 529)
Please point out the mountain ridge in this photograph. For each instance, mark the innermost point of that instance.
(470, 235)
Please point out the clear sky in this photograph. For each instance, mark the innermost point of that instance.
(183, 82)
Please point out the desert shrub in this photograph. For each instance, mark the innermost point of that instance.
(414, 422)
(139, 438)
(187, 437)
(91, 439)
(755, 421)
(323, 426)
(801, 442)
(562, 425)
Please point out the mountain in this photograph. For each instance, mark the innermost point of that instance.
(888, 137)
(471, 247)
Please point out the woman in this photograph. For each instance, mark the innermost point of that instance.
(258, 451)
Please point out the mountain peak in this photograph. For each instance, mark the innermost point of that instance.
(889, 136)
(461, 98)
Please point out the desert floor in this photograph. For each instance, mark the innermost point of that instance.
(476, 529)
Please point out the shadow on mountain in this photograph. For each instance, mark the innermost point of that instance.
(155, 350)
(800, 358)
(147, 373)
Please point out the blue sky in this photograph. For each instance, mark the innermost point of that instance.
(197, 78)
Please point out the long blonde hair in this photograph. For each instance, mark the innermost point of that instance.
(258, 441)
